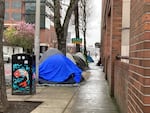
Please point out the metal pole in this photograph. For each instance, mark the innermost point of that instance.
(37, 37)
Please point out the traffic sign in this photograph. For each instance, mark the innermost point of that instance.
(77, 40)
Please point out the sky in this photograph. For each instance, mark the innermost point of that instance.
(93, 31)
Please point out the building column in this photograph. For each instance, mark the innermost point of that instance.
(115, 38)
(108, 46)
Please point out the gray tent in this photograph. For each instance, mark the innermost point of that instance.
(69, 55)
(49, 52)
(80, 62)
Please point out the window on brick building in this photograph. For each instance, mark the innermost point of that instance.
(6, 4)
(125, 30)
(6, 16)
(30, 18)
(30, 8)
(16, 4)
(16, 16)
(30, 13)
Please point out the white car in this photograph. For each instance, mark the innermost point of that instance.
(6, 57)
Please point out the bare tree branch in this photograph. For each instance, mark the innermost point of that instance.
(57, 17)
(50, 5)
(71, 7)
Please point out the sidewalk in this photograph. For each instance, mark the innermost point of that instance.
(90, 97)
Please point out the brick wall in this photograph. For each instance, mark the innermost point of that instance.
(139, 80)
(48, 36)
(44, 36)
(131, 87)
(121, 85)
(111, 37)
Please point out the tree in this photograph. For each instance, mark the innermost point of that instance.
(85, 13)
(21, 35)
(62, 28)
(9, 35)
(77, 31)
(3, 96)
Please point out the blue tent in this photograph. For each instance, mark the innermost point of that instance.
(58, 68)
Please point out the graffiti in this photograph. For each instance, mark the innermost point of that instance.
(21, 66)
(21, 80)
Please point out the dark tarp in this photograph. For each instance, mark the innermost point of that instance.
(80, 62)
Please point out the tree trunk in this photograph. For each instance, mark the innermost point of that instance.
(62, 30)
(62, 42)
(76, 14)
(3, 96)
(84, 26)
(85, 50)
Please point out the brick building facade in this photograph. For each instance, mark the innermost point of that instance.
(125, 52)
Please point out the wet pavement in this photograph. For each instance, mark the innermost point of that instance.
(91, 96)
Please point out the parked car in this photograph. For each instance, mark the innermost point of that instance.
(6, 57)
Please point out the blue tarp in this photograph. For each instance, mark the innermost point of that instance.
(58, 68)
(89, 59)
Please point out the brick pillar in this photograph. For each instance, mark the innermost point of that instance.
(105, 40)
(102, 49)
(139, 79)
(108, 52)
(115, 38)
(104, 33)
